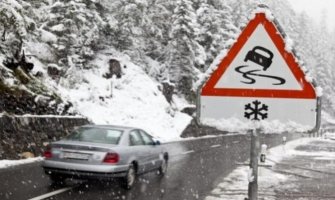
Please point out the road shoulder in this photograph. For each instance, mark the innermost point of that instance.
(301, 169)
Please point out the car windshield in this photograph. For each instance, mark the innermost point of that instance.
(97, 135)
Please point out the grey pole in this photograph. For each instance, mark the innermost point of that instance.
(254, 149)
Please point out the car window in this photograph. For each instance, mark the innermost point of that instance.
(113, 136)
(135, 138)
(97, 135)
(146, 138)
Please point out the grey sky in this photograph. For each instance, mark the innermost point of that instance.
(315, 8)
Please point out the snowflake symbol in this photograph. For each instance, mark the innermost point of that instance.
(257, 110)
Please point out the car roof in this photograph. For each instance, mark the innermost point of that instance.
(127, 128)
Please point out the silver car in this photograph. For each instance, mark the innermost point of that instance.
(104, 152)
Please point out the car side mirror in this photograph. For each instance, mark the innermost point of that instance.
(157, 142)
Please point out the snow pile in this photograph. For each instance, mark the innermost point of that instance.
(235, 185)
(317, 155)
(10, 163)
(133, 100)
(276, 154)
(319, 91)
(236, 125)
(289, 44)
(268, 14)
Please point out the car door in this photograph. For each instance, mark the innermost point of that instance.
(153, 150)
(139, 150)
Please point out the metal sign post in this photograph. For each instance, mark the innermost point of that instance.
(254, 149)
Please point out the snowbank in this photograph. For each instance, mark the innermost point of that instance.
(10, 163)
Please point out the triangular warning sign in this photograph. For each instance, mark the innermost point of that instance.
(258, 65)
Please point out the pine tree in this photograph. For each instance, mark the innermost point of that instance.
(305, 33)
(208, 29)
(156, 38)
(332, 75)
(129, 18)
(216, 28)
(181, 46)
(241, 11)
(156, 32)
(323, 57)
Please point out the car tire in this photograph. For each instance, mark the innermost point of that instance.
(163, 168)
(57, 179)
(130, 178)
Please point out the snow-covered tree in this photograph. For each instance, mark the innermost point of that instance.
(76, 27)
(182, 46)
(14, 27)
(156, 33)
(241, 11)
(127, 21)
(323, 71)
(281, 10)
(216, 28)
(304, 32)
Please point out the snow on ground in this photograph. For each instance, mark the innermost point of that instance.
(235, 185)
(10, 163)
(327, 118)
(133, 100)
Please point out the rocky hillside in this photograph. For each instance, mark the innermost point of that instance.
(22, 93)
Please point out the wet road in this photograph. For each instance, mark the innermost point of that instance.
(195, 168)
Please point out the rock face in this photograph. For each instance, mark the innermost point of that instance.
(189, 110)
(24, 103)
(22, 94)
(26, 66)
(54, 71)
(114, 69)
(31, 134)
(168, 90)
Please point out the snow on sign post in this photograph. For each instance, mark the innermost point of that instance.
(259, 79)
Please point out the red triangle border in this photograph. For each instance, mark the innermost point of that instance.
(308, 91)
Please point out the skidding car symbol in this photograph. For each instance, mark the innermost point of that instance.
(264, 59)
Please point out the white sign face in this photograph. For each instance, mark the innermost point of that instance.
(259, 80)
(302, 112)
(279, 70)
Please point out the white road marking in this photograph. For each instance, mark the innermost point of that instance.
(47, 195)
(215, 146)
(188, 152)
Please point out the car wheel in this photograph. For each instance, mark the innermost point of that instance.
(163, 168)
(130, 179)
